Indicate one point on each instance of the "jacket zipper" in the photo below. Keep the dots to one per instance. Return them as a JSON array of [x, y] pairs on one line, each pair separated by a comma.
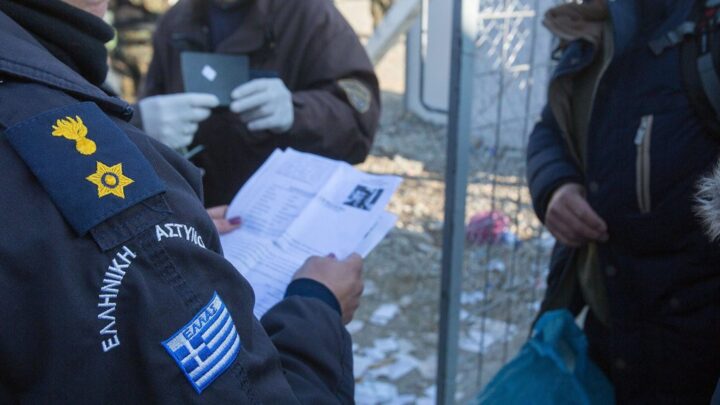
[[642, 163]]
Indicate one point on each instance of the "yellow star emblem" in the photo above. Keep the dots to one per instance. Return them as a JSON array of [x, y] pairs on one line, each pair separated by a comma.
[[110, 180]]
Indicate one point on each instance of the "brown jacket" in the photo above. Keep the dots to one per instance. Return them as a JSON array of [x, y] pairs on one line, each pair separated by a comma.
[[571, 99], [310, 46]]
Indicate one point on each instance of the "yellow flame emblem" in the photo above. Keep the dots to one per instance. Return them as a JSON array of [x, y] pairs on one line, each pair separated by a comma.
[[75, 130], [109, 180]]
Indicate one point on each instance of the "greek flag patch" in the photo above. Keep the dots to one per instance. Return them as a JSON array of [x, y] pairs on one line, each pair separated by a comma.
[[206, 346]]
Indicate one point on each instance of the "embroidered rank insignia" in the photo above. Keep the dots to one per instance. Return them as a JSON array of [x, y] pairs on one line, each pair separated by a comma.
[[75, 130], [357, 94], [206, 346], [85, 162], [109, 180]]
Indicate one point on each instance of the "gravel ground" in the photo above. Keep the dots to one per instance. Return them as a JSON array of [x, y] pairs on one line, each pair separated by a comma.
[[395, 330]]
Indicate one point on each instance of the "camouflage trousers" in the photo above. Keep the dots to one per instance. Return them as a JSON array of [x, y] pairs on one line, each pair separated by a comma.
[[378, 8], [131, 64]]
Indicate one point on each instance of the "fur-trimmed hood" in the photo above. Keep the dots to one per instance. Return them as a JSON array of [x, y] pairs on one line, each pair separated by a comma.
[[708, 203]]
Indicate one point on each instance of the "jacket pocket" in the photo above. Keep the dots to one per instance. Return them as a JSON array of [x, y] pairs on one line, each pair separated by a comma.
[[642, 163]]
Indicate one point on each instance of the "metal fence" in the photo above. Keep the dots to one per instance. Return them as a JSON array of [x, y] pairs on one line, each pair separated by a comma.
[[503, 278], [403, 343]]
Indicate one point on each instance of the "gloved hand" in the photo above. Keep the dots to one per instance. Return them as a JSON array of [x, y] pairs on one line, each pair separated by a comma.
[[264, 104], [173, 119]]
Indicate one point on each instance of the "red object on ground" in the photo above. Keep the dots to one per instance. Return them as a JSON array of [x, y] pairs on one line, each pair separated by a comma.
[[486, 227]]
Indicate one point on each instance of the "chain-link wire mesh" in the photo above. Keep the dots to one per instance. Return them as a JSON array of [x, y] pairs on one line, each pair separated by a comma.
[[396, 329], [504, 277]]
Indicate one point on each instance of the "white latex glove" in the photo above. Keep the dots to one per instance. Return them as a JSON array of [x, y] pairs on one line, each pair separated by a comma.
[[173, 119], [264, 104]]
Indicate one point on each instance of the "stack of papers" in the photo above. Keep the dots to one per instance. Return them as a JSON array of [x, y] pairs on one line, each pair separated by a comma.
[[298, 205]]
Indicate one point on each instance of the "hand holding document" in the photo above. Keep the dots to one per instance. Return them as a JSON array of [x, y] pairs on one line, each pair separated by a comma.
[[299, 205]]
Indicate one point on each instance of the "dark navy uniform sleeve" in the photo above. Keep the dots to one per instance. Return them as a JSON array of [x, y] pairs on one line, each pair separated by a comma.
[[115, 286], [306, 287], [311, 367], [549, 163]]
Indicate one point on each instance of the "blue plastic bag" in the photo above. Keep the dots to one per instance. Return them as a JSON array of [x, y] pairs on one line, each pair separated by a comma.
[[552, 368]]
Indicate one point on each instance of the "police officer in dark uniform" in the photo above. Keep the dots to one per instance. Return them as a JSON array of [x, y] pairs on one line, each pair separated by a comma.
[[113, 288]]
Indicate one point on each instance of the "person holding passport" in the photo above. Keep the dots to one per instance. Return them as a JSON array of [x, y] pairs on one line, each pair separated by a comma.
[[312, 87]]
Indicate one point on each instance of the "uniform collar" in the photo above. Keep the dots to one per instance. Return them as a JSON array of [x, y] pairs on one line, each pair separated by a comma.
[[71, 34], [23, 57]]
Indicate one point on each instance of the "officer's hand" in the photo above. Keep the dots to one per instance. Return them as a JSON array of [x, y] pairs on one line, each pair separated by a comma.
[[342, 277], [264, 104], [571, 219], [222, 224], [173, 119]]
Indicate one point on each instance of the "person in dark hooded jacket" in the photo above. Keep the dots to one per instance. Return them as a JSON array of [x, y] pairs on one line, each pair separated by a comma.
[[612, 168]]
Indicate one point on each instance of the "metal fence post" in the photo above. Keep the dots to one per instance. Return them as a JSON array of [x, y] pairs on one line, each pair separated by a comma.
[[459, 124]]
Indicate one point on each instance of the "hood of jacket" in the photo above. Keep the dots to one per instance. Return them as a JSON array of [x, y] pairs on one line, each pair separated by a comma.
[[708, 203]]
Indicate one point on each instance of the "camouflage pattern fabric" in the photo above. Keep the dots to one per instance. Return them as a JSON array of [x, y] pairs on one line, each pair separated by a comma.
[[130, 58], [378, 8]]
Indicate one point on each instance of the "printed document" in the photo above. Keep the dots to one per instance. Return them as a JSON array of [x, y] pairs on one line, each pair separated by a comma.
[[298, 205]]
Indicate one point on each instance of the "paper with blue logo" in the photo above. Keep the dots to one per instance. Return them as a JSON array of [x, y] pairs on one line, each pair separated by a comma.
[[85, 162], [207, 345]]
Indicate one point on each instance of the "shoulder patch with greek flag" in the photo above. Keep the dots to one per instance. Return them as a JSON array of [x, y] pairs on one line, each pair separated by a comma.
[[206, 346]]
